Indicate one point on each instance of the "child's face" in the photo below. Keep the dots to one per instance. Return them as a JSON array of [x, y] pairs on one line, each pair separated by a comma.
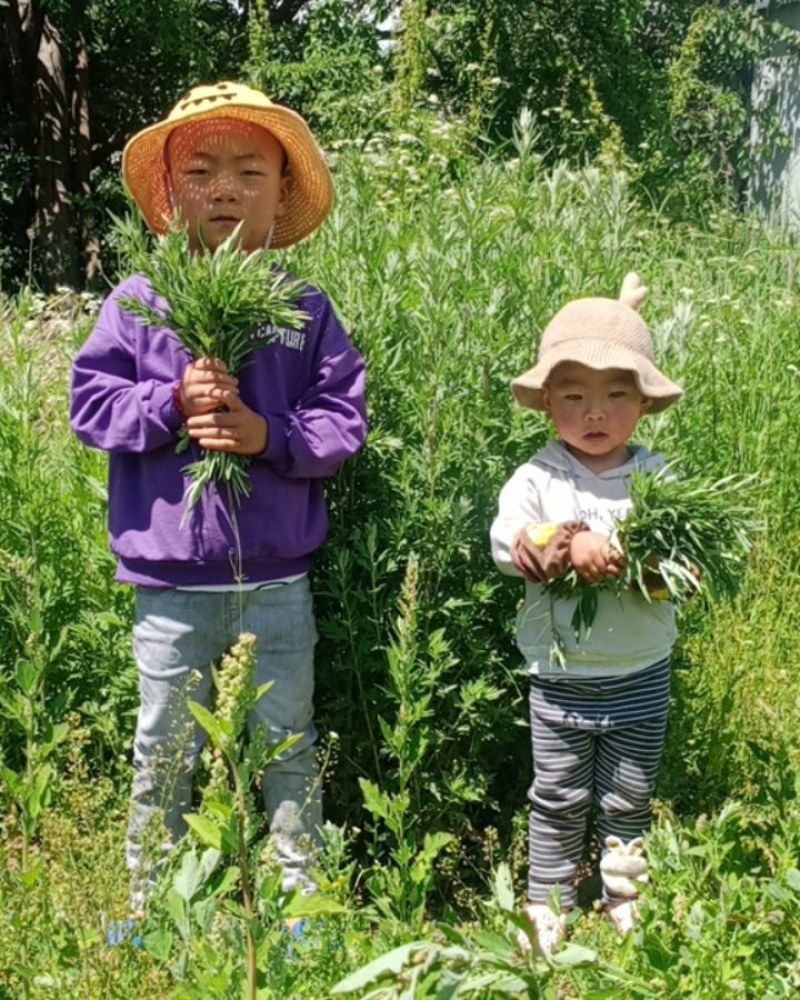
[[594, 412], [225, 171]]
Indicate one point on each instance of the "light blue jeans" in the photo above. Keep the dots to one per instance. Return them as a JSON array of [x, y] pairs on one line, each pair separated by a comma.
[[179, 632]]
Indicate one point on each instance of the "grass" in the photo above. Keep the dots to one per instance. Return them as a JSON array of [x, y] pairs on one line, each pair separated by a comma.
[[446, 283]]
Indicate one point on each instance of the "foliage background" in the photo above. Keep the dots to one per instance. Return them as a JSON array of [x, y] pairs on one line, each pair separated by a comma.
[[468, 211], [662, 89]]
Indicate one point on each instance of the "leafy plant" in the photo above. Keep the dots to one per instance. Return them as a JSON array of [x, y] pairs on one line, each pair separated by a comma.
[[219, 304], [224, 895], [401, 888], [681, 537], [484, 964], [30, 786]]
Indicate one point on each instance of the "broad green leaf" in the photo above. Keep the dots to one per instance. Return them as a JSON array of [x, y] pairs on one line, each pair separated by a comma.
[[189, 876], [38, 793], [312, 905], [375, 801], [229, 879], [210, 723], [793, 879], [177, 909], [60, 733], [433, 844], [496, 944], [29, 878], [573, 955], [206, 830], [14, 782], [393, 963], [261, 690], [503, 887], [158, 943], [28, 675]]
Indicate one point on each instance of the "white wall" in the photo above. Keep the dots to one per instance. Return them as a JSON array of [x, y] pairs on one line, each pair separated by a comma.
[[775, 184]]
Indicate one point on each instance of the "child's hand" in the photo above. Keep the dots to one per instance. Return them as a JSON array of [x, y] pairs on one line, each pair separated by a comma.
[[232, 426], [593, 558], [204, 384]]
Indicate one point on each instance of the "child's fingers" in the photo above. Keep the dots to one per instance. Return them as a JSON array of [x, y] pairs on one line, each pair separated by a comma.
[[215, 365], [214, 432], [210, 382]]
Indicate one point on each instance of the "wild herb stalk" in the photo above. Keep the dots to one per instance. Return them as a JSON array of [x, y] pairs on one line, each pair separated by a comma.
[[219, 304], [681, 537]]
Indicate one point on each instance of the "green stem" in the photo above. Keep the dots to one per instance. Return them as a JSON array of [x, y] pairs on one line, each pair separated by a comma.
[[247, 887]]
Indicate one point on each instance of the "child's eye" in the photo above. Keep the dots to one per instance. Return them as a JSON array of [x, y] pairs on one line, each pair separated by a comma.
[[618, 393], [573, 397], [252, 173], [197, 172]]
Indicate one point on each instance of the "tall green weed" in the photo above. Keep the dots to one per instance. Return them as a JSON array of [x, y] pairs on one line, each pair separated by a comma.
[[56, 586]]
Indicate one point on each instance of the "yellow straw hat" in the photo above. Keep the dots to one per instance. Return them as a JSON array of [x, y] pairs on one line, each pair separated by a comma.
[[144, 168]]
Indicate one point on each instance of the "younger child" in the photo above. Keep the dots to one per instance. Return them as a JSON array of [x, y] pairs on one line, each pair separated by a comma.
[[225, 155], [598, 719]]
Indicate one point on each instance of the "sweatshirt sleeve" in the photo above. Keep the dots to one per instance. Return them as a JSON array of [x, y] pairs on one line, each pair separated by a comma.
[[519, 506], [111, 406], [548, 545], [328, 423]]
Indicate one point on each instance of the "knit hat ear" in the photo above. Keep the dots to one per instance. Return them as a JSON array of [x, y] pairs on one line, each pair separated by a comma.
[[600, 334], [633, 292]]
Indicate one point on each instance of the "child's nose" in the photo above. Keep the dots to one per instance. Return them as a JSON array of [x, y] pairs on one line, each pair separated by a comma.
[[223, 187]]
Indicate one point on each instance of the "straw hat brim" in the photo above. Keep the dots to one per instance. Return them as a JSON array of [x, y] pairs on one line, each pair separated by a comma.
[[309, 199], [598, 355]]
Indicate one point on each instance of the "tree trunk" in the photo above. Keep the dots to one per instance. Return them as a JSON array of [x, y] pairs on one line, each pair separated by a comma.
[[54, 223], [83, 160]]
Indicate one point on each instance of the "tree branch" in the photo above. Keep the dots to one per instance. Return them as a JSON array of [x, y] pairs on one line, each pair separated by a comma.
[[285, 11]]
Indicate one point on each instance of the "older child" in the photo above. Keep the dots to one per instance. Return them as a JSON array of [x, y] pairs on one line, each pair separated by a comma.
[[225, 156], [597, 719]]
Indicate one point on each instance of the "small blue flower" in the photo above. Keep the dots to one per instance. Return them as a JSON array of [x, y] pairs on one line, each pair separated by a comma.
[[123, 932]]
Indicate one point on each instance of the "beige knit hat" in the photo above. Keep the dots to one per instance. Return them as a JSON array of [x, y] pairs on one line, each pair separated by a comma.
[[600, 333], [144, 168]]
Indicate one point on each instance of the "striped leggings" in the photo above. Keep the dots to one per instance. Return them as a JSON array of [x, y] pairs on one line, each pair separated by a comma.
[[596, 741]]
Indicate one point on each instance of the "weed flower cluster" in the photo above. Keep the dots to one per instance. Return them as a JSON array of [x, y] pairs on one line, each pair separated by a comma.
[[234, 698], [681, 537], [219, 304], [235, 694]]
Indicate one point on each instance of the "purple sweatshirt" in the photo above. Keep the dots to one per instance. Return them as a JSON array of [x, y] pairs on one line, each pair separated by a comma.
[[308, 384]]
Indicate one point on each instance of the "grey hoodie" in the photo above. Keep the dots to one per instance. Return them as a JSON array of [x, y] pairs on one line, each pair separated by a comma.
[[629, 633]]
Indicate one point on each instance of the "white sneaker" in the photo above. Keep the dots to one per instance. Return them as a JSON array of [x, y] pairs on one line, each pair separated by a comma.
[[623, 914], [548, 929]]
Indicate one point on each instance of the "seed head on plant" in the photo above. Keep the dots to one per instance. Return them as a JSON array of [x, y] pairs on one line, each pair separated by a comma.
[[234, 680]]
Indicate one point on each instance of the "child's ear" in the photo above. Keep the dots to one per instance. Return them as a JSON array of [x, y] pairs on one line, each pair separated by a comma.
[[284, 191], [646, 404], [546, 397]]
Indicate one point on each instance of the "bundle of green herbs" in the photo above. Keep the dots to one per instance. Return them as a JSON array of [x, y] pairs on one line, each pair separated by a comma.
[[219, 304], [682, 536]]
